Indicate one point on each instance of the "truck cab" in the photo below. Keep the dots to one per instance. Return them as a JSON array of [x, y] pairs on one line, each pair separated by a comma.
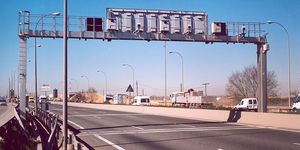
[[247, 104], [296, 104]]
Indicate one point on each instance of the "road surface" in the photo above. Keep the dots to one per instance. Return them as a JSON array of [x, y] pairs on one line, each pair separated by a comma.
[[108, 130]]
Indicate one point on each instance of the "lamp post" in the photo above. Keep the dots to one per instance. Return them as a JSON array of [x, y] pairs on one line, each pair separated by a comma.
[[289, 58], [182, 82], [65, 52], [88, 81], [105, 81], [35, 57], [132, 74]]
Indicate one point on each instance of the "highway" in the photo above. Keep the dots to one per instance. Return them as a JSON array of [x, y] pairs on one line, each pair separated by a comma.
[[108, 130]]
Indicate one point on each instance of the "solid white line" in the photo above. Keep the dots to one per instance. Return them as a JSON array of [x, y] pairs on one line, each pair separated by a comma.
[[109, 142], [187, 125], [297, 144], [79, 126], [92, 115], [149, 131]]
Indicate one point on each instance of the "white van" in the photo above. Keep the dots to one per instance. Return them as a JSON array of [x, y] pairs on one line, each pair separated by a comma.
[[141, 100], [43, 99], [247, 104], [296, 105]]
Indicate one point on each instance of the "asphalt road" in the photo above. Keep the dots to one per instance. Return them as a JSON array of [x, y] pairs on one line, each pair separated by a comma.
[[108, 130], [3, 109]]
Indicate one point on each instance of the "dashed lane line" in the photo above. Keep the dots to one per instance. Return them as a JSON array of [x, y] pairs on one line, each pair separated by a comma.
[[137, 127], [297, 144]]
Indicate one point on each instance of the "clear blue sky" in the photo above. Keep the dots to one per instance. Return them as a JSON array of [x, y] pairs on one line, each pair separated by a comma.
[[211, 63]]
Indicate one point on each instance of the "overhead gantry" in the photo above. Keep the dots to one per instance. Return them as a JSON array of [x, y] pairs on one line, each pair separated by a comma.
[[147, 25]]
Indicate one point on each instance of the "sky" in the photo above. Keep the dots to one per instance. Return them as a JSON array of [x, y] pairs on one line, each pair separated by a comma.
[[212, 63]]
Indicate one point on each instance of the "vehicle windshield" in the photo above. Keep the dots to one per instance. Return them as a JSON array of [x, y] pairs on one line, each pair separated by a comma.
[[2, 100], [297, 99], [242, 102]]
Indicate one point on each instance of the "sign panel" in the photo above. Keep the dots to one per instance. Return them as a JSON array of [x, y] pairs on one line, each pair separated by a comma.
[[45, 88], [94, 24], [129, 89], [157, 21]]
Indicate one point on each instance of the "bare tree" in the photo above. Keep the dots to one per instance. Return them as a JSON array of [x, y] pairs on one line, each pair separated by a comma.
[[244, 83]]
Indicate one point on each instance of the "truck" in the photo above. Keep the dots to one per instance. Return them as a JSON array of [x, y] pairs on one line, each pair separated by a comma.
[[296, 104], [190, 99]]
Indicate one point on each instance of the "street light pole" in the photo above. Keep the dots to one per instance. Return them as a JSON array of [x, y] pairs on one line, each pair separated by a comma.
[[65, 101], [35, 74], [35, 57], [182, 82], [105, 81], [132, 74], [289, 58]]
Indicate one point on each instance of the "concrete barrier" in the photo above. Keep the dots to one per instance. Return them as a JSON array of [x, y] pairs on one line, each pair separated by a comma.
[[275, 120]]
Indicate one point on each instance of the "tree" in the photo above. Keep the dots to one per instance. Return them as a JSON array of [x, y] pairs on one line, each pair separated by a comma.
[[244, 83]]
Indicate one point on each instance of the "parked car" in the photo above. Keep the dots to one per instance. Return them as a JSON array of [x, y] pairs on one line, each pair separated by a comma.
[[3, 101], [247, 104], [141, 100], [296, 104]]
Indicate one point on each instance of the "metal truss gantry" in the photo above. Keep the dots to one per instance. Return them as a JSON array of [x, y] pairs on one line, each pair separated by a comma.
[[52, 27]]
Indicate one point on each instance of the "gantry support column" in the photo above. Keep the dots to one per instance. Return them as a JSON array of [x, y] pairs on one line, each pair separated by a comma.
[[22, 75], [262, 93]]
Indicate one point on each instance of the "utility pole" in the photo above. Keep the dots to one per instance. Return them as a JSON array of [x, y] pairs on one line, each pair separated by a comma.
[[165, 101], [205, 86], [137, 88], [9, 89]]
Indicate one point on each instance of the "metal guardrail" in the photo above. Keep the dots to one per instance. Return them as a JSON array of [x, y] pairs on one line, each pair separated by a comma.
[[52, 124], [50, 121]]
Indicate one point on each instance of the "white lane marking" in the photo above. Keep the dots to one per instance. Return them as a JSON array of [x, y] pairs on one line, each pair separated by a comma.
[[188, 125], [92, 115], [297, 144], [137, 127], [79, 126], [220, 149], [265, 127], [109, 142], [145, 131]]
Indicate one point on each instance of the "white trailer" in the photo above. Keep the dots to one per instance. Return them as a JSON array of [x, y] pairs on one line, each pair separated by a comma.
[[186, 99]]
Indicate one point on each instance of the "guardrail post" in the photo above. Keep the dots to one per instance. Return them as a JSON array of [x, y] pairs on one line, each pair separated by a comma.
[[79, 147]]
